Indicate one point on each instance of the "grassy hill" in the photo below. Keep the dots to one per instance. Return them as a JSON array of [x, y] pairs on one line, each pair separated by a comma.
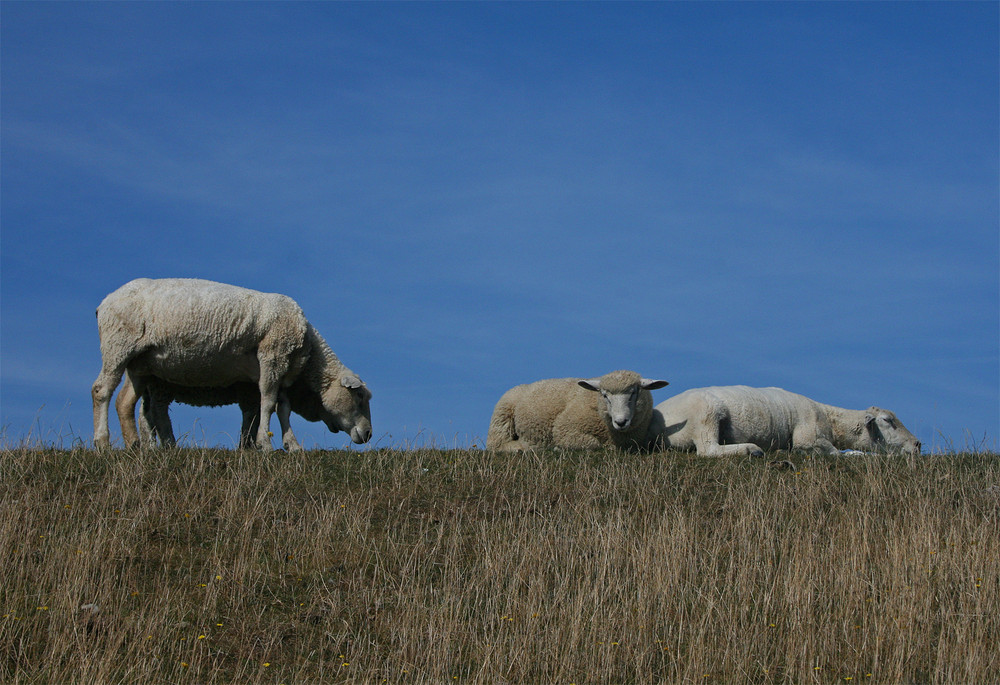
[[203, 565]]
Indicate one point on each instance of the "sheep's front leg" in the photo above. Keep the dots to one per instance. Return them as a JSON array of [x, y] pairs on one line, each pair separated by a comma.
[[287, 436], [573, 432], [268, 401], [808, 439], [580, 441], [818, 446]]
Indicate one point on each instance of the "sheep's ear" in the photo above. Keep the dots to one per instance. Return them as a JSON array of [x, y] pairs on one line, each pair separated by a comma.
[[592, 384], [652, 385], [351, 381]]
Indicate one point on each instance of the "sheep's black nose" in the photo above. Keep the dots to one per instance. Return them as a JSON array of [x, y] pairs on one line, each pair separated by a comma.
[[361, 434]]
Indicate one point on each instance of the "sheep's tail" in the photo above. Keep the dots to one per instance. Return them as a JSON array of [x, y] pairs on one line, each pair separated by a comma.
[[502, 429]]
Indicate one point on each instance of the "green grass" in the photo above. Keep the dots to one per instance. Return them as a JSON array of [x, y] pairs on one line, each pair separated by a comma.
[[204, 565]]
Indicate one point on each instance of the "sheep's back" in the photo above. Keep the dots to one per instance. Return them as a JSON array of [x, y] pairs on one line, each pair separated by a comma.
[[194, 332]]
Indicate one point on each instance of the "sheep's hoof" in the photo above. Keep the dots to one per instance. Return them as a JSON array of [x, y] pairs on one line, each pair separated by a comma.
[[757, 453]]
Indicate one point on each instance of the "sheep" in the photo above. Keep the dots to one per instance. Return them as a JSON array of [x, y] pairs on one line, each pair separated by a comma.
[[200, 334], [738, 420], [614, 410], [158, 394]]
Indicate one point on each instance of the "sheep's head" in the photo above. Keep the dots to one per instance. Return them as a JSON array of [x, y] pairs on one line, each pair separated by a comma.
[[885, 431], [623, 397], [346, 407], [341, 402]]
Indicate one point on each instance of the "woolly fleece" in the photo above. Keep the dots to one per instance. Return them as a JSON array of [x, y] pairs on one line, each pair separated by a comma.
[[740, 420], [196, 333], [560, 412]]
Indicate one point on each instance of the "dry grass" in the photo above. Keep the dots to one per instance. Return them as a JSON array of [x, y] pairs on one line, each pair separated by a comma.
[[198, 565]]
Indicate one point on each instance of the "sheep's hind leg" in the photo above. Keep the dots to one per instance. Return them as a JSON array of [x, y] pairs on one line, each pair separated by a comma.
[[125, 403], [746, 449], [156, 411], [147, 421], [514, 446], [708, 441], [101, 392], [251, 423]]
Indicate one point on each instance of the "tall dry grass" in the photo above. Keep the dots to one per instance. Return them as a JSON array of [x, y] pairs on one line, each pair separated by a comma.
[[198, 565]]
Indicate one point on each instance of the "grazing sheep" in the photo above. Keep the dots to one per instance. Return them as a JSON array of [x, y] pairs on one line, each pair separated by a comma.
[[570, 412], [200, 334], [739, 420], [158, 395]]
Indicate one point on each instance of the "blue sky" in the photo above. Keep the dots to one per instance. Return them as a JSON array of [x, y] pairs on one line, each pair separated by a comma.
[[468, 196]]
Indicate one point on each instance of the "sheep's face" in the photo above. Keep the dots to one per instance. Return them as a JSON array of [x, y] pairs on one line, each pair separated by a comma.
[[887, 432], [623, 396], [346, 408]]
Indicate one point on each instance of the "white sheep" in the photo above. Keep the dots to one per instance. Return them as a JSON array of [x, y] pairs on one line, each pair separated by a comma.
[[201, 334], [738, 420], [159, 394], [614, 409]]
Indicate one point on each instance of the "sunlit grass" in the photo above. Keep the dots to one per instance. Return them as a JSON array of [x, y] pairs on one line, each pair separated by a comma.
[[202, 565]]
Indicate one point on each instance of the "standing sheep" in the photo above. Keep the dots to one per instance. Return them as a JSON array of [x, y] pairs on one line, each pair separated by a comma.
[[200, 334], [737, 420], [159, 394], [614, 409]]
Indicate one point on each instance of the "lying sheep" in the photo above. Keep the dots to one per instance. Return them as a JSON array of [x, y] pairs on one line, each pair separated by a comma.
[[614, 409], [737, 420], [200, 334]]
